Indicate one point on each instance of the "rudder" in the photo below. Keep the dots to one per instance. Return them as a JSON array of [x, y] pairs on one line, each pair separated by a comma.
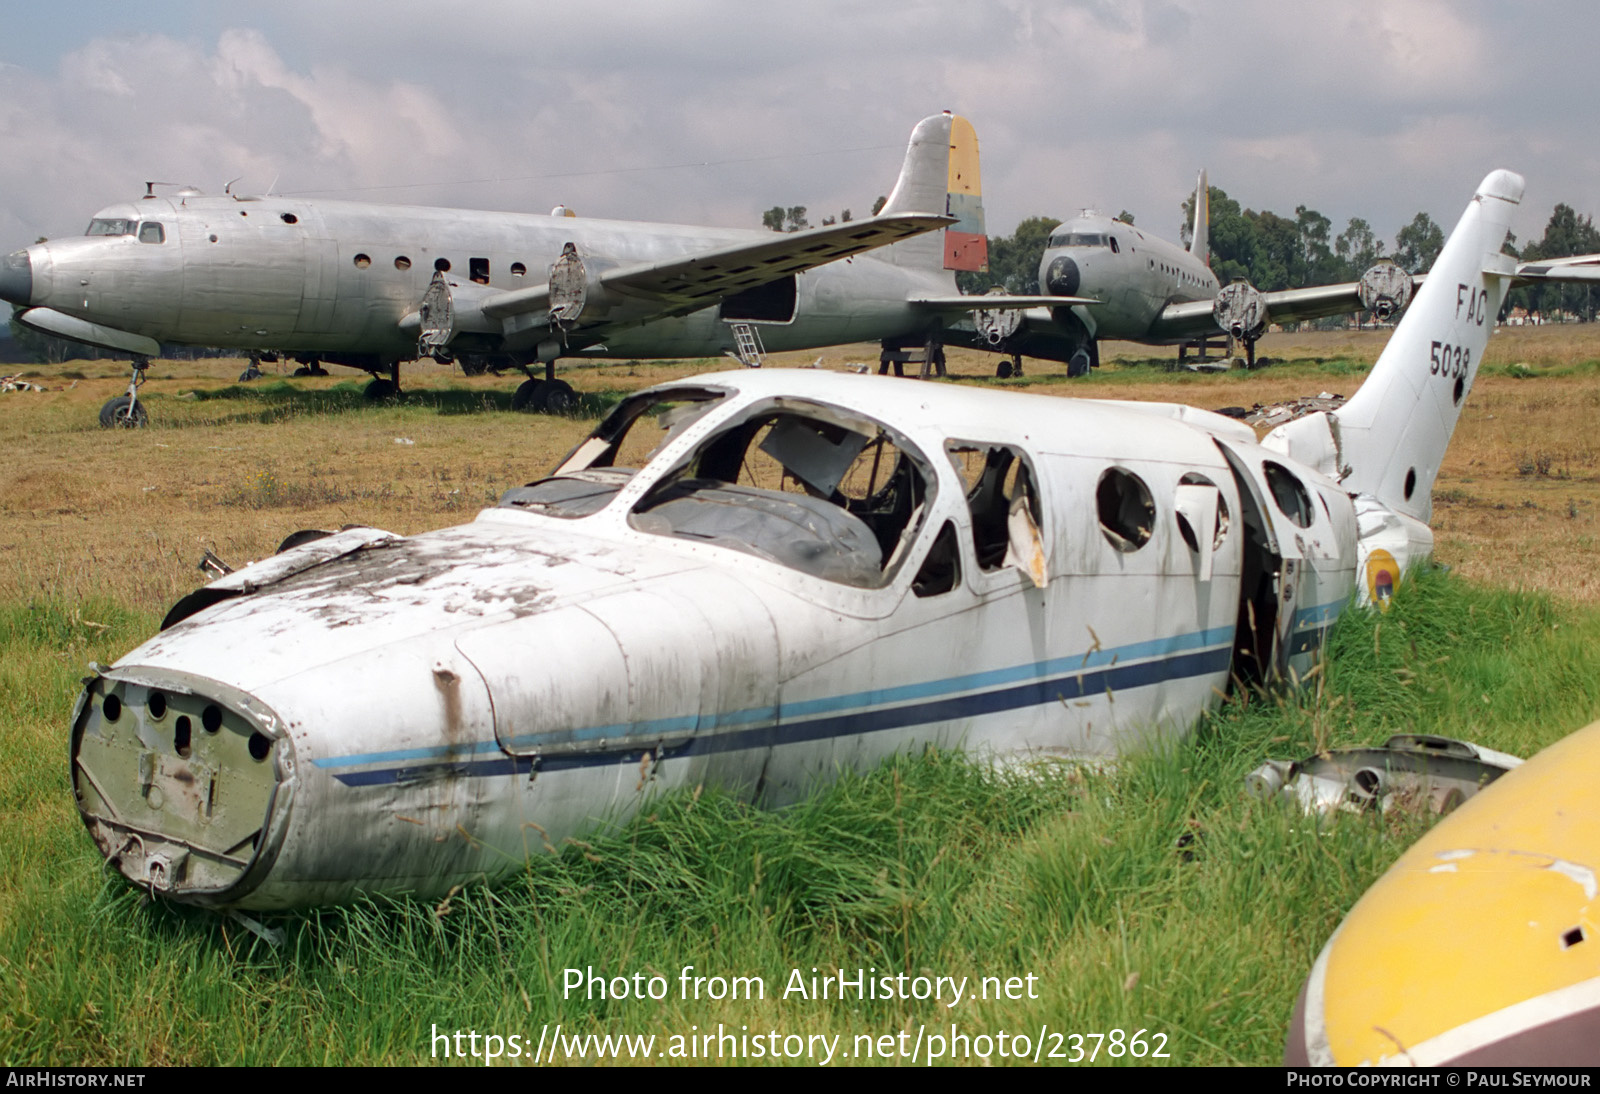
[[941, 175]]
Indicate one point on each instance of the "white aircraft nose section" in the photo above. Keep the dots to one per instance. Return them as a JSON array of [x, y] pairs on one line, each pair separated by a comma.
[[1503, 184]]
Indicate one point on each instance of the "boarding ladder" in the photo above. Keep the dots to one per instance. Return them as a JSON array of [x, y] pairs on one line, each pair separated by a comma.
[[747, 345]]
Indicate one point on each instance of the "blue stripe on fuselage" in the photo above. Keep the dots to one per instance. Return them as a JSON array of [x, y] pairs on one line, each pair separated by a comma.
[[1073, 684]]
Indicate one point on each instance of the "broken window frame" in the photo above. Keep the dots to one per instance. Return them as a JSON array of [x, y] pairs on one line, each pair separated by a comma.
[[1002, 553], [757, 420], [592, 461], [1115, 531]]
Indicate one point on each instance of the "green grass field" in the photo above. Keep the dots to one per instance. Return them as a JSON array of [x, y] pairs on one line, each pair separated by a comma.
[[1151, 896]]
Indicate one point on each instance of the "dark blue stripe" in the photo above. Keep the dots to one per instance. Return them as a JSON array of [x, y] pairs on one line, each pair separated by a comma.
[[1030, 694]]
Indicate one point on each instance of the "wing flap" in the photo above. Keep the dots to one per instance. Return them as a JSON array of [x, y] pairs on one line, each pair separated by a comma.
[[997, 302]]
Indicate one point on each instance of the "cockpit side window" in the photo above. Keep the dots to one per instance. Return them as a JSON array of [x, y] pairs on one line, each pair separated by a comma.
[[151, 231], [111, 226], [1003, 500], [818, 489], [593, 472]]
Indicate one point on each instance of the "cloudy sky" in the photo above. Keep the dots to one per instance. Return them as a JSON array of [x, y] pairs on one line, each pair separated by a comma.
[[709, 111]]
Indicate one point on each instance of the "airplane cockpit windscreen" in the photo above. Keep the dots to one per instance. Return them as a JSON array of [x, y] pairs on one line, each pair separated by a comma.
[[592, 473], [112, 226], [818, 489], [1080, 239]]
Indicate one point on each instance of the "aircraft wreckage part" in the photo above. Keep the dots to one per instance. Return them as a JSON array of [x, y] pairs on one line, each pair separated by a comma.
[[1240, 310], [1409, 771], [181, 789], [1062, 278], [1476, 948], [1385, 290]]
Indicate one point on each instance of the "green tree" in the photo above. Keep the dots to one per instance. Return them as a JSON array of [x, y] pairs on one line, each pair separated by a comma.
[[877, 206], [1357, 248], [1418, 244], [1567, 233], [1013, 260]]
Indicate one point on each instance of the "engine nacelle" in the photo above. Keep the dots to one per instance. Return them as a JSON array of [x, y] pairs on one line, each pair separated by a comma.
[[1385, 289], [449, 309], [998, 324], [1240, 310], [575, 290]]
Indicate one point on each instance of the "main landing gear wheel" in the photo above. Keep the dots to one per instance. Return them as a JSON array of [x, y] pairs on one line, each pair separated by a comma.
[[558, 397], [544, 397], [381, 389], [123, 412], [1009, 367], [528, 396], [1079, 364]]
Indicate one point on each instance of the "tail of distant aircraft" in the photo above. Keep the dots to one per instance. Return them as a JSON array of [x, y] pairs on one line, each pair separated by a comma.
[[1390, 438], [940, 175], [1200, 238]]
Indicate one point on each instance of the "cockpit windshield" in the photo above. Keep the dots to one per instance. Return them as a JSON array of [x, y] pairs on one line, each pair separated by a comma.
[[112, 226], [1079, 239], [590, 476]]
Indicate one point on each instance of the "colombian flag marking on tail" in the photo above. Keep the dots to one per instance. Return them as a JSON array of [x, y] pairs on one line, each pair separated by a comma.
[[966, 247]]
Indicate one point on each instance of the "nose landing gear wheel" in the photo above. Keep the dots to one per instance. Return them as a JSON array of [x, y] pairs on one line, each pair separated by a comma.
[[122, 412]]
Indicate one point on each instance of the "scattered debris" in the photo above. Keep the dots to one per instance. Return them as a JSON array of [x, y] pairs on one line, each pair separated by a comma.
[[404, 440], [17, 383], [1410, 771], [1271, 415]]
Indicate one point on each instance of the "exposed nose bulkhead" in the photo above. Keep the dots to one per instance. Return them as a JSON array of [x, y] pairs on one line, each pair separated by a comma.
[[1061, 276], [16, 278]]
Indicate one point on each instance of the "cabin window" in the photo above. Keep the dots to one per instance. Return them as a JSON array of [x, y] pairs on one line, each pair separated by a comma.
[[401, 262], [1003, 500], [442, 265], [288, 218], [1198, 486], [478, 270], [111, 226], [819, 489], [1126, 510], [518, 270], [1114, 248], [362, 261], [152, 232], [1289, 493]]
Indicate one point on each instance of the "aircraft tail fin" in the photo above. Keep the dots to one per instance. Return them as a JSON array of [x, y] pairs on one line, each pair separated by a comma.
[[1200, 237], [940, 175], [1390, 438]]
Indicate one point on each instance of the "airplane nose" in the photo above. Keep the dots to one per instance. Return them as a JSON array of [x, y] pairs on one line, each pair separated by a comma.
[[16, 278], [1062, 277]]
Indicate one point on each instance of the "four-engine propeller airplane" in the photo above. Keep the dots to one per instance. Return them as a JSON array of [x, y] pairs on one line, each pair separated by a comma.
[[370, 286], [1144, 289], [754, 579], [1140, 288]]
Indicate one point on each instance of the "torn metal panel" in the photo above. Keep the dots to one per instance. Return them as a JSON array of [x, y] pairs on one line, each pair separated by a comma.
[[1410, 771]]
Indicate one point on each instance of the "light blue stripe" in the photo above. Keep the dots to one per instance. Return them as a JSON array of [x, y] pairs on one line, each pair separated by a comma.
[[877, 697]]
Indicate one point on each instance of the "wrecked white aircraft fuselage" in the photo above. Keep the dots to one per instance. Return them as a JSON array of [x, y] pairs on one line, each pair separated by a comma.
[[811, 572], [789, 574]]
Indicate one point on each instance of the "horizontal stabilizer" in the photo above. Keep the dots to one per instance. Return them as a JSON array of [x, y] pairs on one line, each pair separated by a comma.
[[1578, 268]]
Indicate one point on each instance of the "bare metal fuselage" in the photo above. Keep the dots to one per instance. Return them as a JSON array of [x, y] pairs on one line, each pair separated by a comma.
[[334, 279]]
